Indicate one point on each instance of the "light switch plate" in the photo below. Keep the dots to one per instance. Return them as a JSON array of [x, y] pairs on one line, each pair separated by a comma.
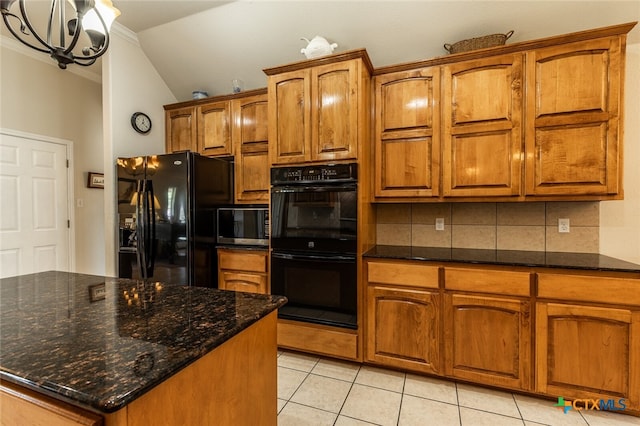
[[440, 224], [563, 225]]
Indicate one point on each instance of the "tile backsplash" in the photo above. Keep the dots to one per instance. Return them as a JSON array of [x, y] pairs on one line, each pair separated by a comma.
[[503, 226]]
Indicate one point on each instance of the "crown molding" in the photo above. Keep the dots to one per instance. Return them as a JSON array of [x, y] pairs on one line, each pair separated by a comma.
[[13, 44], [124, 33]]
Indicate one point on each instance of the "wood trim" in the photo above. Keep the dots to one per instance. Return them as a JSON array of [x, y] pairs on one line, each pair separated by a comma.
[[198, 102], [405, 274], [511, 48], [597, 289], [325, 60], [488, 281], [29, 407], [318, 339]]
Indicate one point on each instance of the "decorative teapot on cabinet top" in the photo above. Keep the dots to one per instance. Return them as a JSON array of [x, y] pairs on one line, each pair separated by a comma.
[[318, 46]]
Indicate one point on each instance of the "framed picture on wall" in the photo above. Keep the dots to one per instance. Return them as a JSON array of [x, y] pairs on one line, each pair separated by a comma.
[[95, 180]]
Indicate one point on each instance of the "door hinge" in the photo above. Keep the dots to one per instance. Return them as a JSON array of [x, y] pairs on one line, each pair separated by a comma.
[[67, 163], [68, 223]]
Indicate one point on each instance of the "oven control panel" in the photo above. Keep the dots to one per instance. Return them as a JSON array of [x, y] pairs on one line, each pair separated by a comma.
[[306, 174]]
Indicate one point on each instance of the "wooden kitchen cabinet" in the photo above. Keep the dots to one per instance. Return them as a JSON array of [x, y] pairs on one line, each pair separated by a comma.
[[588, 337], [250, 133], [573, 118], [214, 129], [407, 133], [487, 326], [318, 108], [482, 123], [230, 125], [403, 316], [200, 127], [181, 129], [243, 270]]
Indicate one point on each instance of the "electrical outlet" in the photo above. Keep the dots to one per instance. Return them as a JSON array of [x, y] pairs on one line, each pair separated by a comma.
[[563, 225], [439, 223]]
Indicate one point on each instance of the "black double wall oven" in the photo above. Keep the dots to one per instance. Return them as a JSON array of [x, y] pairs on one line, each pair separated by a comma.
[[314, 243]]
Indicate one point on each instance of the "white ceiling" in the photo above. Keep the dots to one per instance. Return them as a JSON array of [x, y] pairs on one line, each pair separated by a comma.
[[204, 44]]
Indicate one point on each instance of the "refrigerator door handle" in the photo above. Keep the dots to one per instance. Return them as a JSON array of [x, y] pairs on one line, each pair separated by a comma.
[[141, 230], [151, 210]]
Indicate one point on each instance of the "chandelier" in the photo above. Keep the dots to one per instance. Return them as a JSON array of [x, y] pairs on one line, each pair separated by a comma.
[[90, 26]]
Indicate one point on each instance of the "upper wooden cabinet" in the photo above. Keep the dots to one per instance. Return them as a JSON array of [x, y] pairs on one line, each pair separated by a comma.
[[573, 118], [318, 108], [180, 129], [223, 126], [531, 121], [203, 128], [214, 129], [482, 125], [407, 133], [251, 140]]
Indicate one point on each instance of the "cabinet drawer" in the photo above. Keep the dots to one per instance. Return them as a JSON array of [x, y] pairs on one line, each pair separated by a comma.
[[242, 261], [589, 288], [487, 281], [408, 274]]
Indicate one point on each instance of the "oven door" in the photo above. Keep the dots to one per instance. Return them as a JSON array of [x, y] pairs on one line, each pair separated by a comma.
[[319, 218], [320, 289]]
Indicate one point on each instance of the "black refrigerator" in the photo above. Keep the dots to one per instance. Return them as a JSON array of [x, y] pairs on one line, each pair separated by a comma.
[[167, 216]]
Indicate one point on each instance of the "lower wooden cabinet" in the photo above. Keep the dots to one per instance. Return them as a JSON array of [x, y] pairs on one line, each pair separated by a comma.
[[588, 352], [403, 316], [549, 332], [243, 270], [488, 340]]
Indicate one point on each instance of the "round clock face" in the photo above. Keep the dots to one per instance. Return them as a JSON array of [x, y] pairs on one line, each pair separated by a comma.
[[141, 122]]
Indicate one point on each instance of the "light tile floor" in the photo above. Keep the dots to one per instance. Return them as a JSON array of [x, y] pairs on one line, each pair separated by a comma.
[[317, 391]]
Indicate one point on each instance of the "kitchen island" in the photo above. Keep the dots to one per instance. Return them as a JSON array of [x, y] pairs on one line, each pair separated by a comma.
[[83, 349]]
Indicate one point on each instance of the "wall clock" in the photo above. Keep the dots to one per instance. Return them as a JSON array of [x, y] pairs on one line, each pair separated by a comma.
[[141, 122]]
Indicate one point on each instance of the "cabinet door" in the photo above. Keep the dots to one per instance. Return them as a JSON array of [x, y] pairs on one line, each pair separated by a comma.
[[573, 114], [180, 130], [407, 133], [334, 111], [403, 328], [251, 141], [482, 124], [243, 281], [214, 129], [488, 340], [588, 352], [289, 117]]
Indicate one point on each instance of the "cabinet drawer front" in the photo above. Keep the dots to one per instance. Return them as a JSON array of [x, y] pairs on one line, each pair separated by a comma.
[[487, 281], [590, 288], [412, 275], [244, 282], [254, 262]]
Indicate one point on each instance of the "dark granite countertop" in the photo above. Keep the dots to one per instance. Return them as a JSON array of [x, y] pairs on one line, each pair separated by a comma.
[[584, 261], [102, 342]]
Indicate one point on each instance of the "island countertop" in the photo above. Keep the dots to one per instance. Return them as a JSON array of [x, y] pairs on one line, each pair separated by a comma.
[[102, 342]]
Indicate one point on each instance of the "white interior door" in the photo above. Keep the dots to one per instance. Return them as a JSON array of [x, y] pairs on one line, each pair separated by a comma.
[[34, 227]]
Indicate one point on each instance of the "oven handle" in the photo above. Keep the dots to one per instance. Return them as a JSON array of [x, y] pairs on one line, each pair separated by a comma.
[[329, 258], [314, 188]]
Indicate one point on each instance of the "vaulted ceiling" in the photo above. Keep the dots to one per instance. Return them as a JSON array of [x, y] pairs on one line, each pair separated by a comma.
[[204, 44]]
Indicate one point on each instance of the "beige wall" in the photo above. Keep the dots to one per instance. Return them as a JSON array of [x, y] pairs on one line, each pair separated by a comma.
[[620, 220], [39, 98]]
